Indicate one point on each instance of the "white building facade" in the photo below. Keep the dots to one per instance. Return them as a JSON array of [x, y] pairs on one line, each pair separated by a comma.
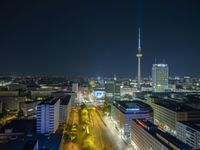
[[48, 116], [189, 132]]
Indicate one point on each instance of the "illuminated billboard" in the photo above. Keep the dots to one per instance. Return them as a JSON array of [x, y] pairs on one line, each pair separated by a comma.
[[99, 94]]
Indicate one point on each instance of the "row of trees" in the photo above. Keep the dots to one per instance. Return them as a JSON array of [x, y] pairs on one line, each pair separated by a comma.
[[88, 140], [84, 114], [70, 133]]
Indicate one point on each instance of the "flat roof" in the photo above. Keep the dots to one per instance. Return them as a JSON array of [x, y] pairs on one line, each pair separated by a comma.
[[131, 106], [99, 89], [192, 124], [174, 106], [173, 139], [21, 125], [160, 65], [50, 101], [31, 101], [64, 100], [63, 92], [17, 144], [52, 141], [154, 131]]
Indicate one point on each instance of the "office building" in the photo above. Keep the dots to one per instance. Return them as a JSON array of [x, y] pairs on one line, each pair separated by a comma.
[[160, 77], [65, 106], [11, 103], [62, 93], [124, 111], [167, 113], [41, 93], [17, 128], [146, 136], [75, 87], [127, 90], [109, 89], [112, 90], [29, 108], [189, 132], [48, 115], [117, 94]]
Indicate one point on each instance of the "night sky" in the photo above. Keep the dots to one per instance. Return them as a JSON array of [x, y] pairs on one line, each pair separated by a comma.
[[98, 37]]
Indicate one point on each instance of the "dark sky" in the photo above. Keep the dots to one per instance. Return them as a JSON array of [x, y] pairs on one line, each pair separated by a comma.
[[98, 37]]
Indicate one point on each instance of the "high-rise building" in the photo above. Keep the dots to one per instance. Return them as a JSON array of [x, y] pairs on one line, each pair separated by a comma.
[[117, 92], [112, 90], [160, 77], [48, 116], [109, 89], [139, 55]]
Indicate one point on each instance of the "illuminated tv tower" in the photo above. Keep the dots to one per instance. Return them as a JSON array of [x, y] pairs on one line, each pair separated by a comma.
[[139, 55]]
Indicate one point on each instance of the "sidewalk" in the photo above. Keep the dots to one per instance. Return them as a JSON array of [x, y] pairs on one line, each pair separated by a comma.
[[119, 143]]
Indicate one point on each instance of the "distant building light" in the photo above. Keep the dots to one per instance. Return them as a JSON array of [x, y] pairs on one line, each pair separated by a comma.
[[133, 109], [30, 109], [160, 65]]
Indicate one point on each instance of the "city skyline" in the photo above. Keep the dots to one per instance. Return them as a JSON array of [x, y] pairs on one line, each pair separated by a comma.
[[98, 38]]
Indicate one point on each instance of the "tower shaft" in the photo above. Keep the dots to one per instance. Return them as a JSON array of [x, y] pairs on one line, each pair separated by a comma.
[[139, 55], [139, 74]]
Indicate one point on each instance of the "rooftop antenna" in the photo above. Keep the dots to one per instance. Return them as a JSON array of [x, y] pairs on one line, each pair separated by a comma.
[[139, 42]]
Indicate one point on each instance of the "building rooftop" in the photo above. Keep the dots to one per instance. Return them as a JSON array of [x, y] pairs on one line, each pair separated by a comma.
[[52, 141], [45, 142], [174, 106], [99, 89], [67, 92], [50, 101], [20, 126], [29, 102], [163, 137], [160, 65], [192, 124], [172, 139], [17, 144], [132, 106], [64, 100]]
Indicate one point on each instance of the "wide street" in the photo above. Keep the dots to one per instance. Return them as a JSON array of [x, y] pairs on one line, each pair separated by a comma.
[[105, 136], [99, 128]]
